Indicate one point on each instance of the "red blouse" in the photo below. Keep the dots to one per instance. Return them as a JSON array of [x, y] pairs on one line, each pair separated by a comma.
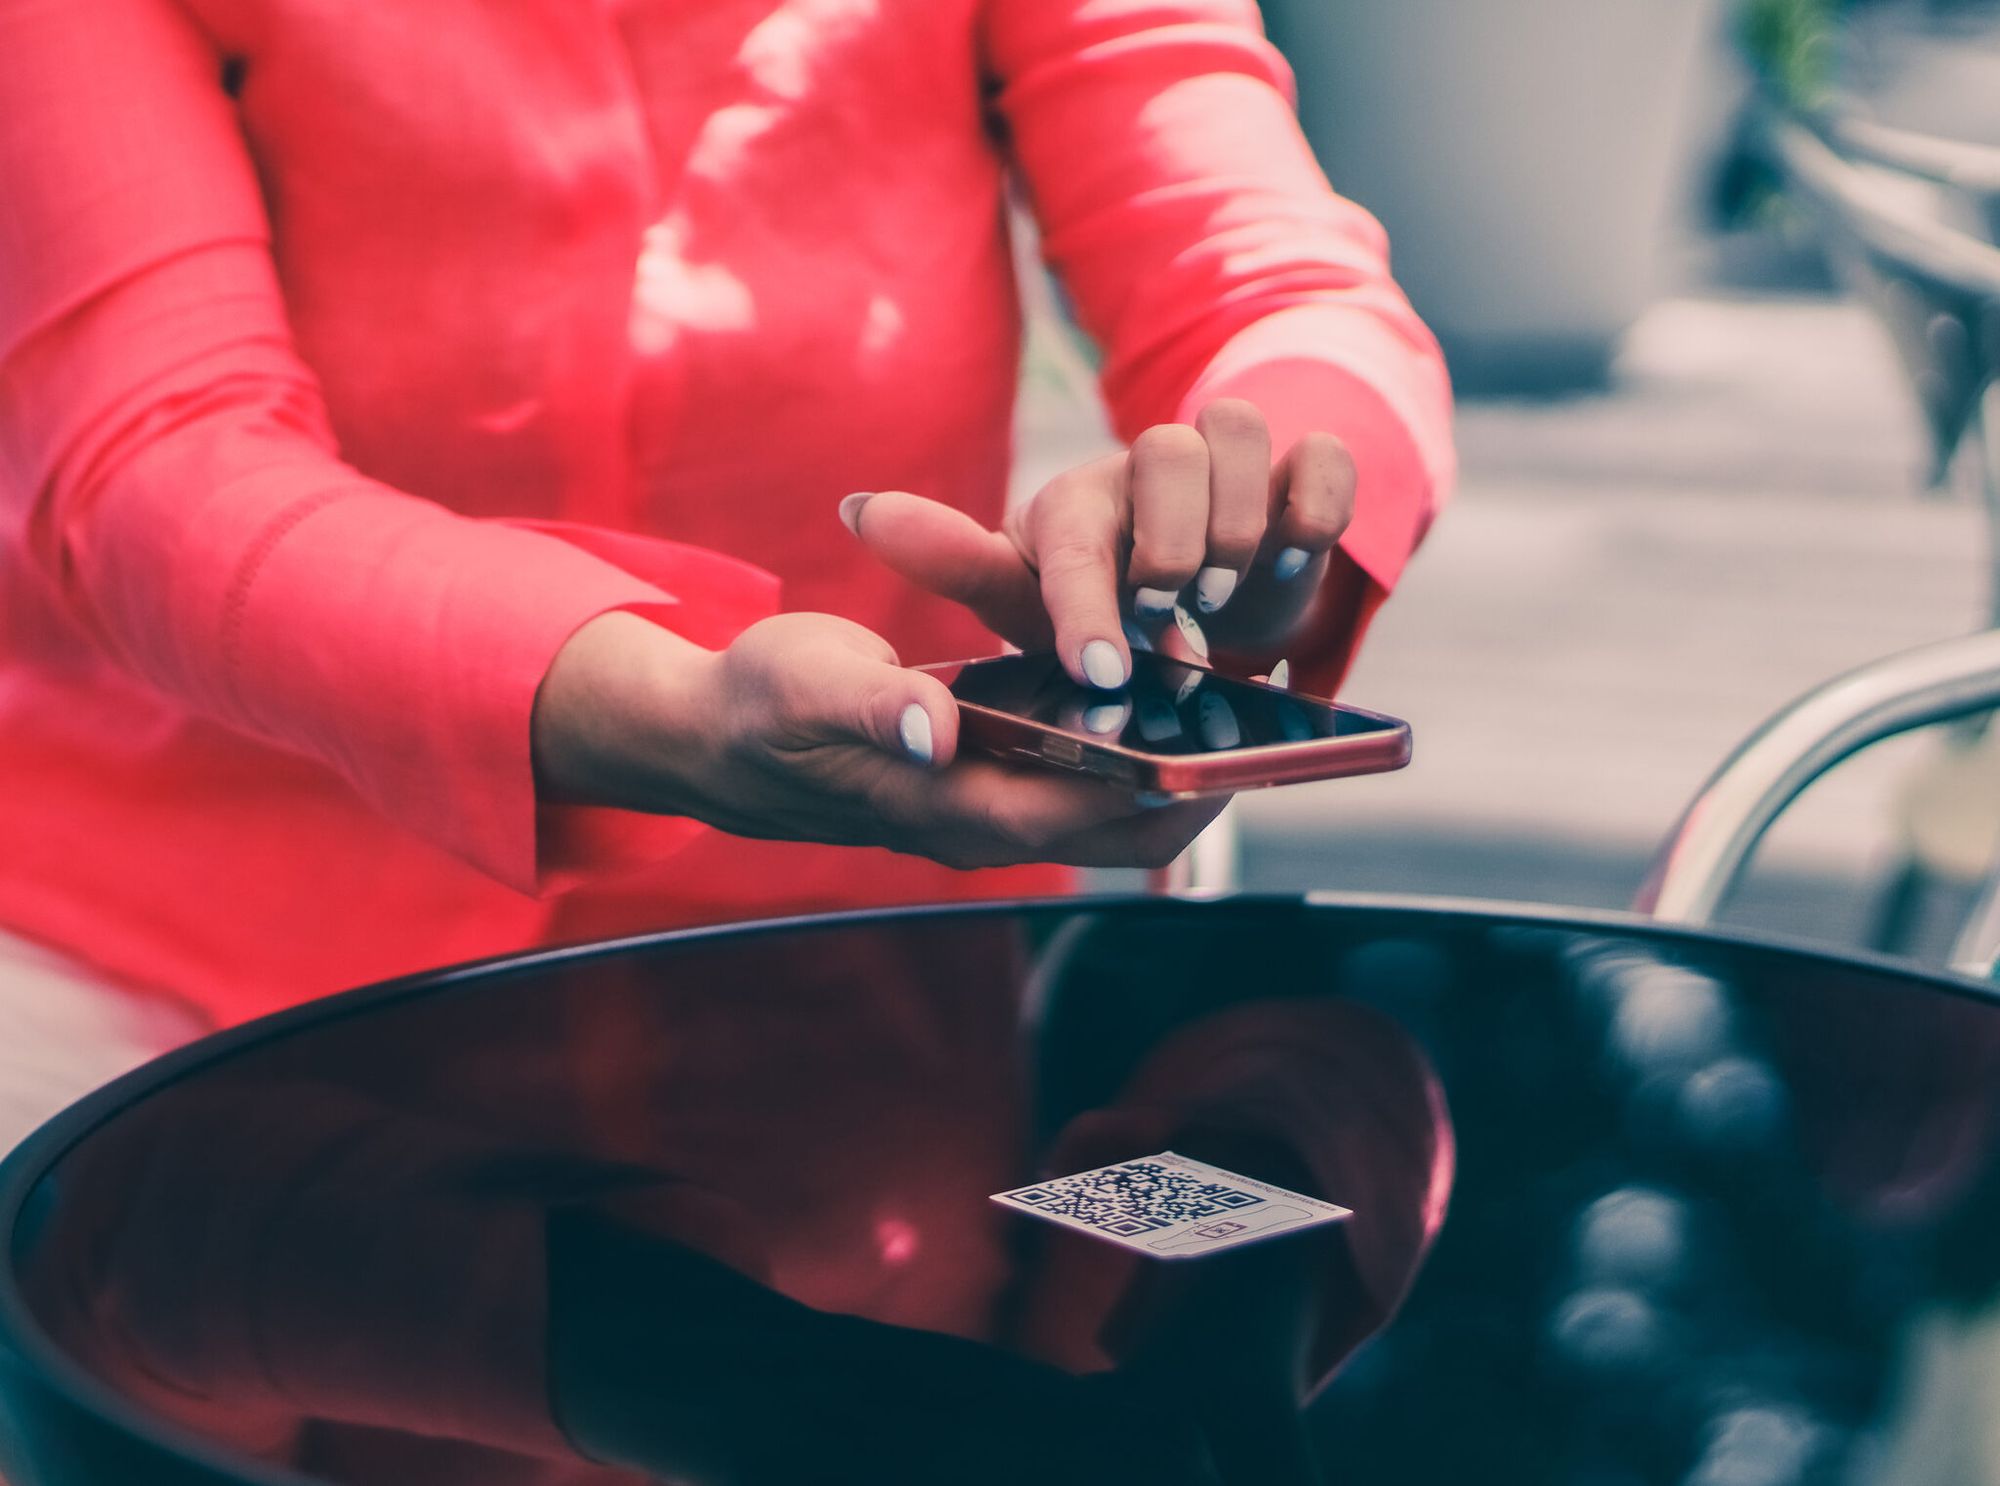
[[351, 356]]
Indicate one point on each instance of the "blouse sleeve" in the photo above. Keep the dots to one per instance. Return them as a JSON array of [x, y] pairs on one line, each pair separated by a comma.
[[168, 473], [1184, 212]]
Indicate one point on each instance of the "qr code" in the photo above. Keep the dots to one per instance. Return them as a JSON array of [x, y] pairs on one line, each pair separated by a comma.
[[1137, 1197]]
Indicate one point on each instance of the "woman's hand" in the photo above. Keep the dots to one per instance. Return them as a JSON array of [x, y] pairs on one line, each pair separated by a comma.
[[806, 729], [1197, 515]]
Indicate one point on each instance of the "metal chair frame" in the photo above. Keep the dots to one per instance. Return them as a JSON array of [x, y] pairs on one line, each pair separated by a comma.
[[1879, 242], [1971, 171], [1719, 831]]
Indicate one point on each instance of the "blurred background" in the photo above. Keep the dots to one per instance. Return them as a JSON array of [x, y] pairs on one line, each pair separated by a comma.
[[1698, 478]]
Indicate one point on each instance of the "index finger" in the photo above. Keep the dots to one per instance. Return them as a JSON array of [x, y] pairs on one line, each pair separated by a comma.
[[1075, 531]]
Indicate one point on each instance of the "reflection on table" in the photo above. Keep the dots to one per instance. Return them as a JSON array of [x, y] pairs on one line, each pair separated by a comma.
[[714, 1210]]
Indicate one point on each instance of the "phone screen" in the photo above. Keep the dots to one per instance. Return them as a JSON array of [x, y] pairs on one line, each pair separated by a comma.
[[1166, 708]]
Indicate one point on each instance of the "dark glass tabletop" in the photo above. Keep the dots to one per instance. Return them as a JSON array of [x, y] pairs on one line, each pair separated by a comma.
[[1629, 1205]]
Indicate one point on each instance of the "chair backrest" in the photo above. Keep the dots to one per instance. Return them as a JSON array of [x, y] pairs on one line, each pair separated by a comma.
[[1936, 287], [1971, 172]]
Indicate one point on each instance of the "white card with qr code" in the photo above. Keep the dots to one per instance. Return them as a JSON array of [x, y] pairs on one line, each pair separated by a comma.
[[1171, 1207]]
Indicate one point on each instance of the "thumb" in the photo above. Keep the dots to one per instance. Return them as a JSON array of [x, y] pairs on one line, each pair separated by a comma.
[[944, 551], [853, 691]]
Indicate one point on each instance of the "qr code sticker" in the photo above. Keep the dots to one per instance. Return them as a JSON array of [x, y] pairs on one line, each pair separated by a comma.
[[1135, 1198], [1170, 1205]]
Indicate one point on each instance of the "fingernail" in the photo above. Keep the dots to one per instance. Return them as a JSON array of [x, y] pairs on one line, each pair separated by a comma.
[[850, 509], [1151, 799], [1136, 637], [1103, 665], [1153, 603], [915, 730], [1191, 632], [1106, 717], [1281, 675], [1289, 563], [1212, 587]]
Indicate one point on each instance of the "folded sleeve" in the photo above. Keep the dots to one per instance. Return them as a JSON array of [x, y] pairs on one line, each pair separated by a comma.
[[1206, 253], [168, 472]]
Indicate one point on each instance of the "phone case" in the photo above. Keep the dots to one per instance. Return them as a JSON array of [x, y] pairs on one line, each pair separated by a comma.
[[1007, 736]]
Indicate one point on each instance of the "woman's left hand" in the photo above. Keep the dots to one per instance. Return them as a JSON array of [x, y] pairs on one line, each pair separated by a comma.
[[1192, 515]]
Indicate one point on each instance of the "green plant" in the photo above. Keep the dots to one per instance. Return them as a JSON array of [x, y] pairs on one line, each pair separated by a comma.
[[1792, 45]]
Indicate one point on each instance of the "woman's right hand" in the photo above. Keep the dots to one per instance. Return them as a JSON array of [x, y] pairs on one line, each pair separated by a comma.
[[807, 729]]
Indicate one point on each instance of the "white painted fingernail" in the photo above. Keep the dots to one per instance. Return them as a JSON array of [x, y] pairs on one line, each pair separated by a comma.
[[1212, 587], [1289, 563], [1106, 717], [1136, 637], [1191, 632], [850, 509], [1153, 603], [1103, 665], [1281, 675], [914, 728]]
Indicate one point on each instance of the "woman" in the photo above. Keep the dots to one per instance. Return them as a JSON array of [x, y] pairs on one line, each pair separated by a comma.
[[413, 418]]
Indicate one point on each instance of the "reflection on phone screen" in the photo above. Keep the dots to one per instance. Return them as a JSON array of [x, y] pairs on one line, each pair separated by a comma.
[[1219, 729], [1166, 708]]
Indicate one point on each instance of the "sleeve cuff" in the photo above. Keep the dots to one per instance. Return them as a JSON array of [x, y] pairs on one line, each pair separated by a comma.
[[407, 645], [1322, 368]]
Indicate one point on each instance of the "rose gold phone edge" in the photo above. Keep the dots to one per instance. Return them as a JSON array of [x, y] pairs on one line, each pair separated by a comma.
[[1005, 735]]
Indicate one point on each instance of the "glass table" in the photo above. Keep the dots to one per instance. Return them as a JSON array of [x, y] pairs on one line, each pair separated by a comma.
[[1630, 1204]]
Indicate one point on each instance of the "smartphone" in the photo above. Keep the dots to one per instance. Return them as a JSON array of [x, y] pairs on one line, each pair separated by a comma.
[[1175, 729]]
